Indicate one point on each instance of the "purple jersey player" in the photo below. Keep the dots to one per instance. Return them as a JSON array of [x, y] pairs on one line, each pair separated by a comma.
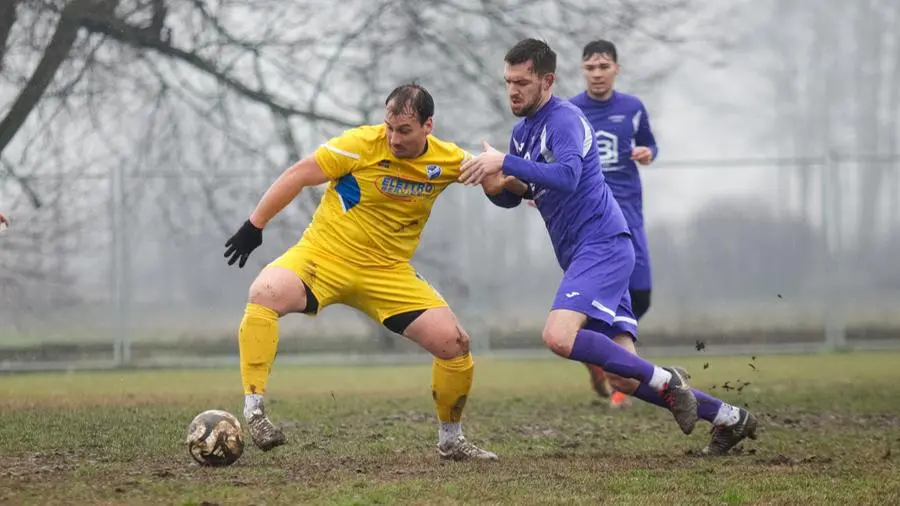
[[624, 139], [553, 158]]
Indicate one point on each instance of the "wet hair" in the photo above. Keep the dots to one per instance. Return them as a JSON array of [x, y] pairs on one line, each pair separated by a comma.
[[413, 98], [543, 59]]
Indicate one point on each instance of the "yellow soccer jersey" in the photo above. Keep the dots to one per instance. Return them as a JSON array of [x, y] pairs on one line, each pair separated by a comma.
[[376, 206]]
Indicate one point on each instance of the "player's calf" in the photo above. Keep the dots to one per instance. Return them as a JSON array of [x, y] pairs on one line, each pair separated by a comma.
[[599, 381], [595, 348], [275, 292], [438, 331]]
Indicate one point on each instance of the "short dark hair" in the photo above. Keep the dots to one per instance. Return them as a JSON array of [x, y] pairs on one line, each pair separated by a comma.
[[537, 51], [600, 46], [413, 98]]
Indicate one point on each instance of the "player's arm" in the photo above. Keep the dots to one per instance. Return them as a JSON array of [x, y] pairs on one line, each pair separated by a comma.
[[569, 140], [332, 160], [306, 172], [336, 158], [286, 188], [518, 187], [505, 191], [643, 135]]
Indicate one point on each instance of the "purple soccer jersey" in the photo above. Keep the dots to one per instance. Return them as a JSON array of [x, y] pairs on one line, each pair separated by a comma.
[[620, 124], [555, 153]]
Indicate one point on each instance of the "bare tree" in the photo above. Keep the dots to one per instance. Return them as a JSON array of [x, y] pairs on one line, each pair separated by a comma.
[[833, 76], [182, 112]]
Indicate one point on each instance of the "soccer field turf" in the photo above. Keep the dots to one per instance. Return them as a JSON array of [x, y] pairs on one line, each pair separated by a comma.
[[366, 435]]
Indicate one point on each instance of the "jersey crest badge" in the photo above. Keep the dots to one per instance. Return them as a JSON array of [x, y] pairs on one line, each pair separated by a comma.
[[433, 171]]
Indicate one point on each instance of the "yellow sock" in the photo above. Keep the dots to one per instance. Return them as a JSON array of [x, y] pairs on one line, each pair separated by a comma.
[[258, 343], [451, 381]]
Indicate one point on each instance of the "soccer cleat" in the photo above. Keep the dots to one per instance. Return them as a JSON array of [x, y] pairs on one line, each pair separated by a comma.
[[724, 438], [599, 382], [678, 396], [263, 432], [682, 371], [619, 400], [462, 449]]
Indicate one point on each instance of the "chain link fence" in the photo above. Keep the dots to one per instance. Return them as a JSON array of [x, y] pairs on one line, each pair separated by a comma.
[[126, 269]]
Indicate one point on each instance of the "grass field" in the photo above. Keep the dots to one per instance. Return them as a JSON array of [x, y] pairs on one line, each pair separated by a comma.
[[366, 435]]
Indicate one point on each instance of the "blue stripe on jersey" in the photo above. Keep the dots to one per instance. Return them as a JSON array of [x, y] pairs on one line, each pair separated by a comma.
[[348, 190]]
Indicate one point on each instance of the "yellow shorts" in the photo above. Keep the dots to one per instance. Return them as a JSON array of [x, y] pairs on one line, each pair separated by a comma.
[[378, 292]]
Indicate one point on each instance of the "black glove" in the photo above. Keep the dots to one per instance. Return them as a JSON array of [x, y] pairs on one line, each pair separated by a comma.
[[241, 244]]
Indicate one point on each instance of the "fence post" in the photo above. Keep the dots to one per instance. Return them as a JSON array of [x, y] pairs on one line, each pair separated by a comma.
[[835, 324], [122, 345], [114, 266]]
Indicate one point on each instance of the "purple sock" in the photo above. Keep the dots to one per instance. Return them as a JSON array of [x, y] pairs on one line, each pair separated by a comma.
[[647, 394], [707, 406], [595, 348]]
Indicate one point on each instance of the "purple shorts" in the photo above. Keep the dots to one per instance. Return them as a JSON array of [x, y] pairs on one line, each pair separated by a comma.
[[596, 285], [641, 278]]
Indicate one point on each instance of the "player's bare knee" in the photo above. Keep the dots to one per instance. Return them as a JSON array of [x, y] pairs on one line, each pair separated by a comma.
[[449, 344], [462, 341], [272, 290], [559, 339], [261, 292]]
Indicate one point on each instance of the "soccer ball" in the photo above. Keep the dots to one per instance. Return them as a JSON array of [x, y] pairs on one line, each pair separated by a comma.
[[215, 438]]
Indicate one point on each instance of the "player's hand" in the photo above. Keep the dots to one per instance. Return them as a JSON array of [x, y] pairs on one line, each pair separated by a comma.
[[3, 220], [242, 243], [532, 203], [642, 155], [474, 170], [495, 183]]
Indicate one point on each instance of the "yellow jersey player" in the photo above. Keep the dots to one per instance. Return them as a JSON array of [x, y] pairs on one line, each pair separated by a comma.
[[384, 180]]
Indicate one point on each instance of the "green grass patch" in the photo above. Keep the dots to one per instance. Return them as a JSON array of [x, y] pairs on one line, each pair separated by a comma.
[[366, 435]]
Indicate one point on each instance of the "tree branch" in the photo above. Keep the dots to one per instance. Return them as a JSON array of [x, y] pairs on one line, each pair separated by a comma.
[[54, 56], [7, 20], [23, 182], [142, 39]]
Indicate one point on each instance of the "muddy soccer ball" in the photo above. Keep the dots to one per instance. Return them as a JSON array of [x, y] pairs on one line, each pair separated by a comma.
[[215, 438]]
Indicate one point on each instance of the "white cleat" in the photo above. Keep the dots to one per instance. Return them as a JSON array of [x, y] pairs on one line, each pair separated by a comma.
[[263, 432], [462, 449]]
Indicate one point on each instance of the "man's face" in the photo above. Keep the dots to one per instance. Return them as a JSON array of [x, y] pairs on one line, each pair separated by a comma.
[[405, 135], [525, 88], [599, 72]]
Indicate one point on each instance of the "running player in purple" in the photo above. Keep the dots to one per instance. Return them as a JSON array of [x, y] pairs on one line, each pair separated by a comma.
[[553, 159], [624, 140]]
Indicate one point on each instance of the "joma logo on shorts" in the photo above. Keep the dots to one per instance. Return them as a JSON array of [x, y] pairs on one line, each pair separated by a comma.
[[403, 189]]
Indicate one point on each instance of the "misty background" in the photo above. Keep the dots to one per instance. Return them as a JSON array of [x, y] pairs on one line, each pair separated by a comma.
[[136, 136]]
